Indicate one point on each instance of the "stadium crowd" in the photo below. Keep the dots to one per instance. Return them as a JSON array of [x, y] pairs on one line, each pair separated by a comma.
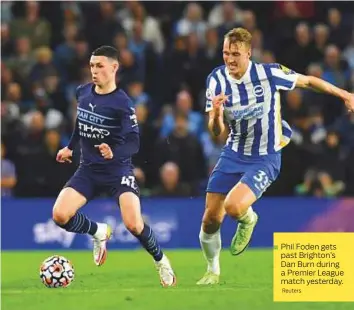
[[166, 51]]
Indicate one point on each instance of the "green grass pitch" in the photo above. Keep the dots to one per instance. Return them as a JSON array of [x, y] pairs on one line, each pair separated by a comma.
[[128, 280]]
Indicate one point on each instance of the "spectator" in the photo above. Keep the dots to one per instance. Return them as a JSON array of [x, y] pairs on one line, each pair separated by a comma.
[[249, 21], [325, 178], [8, 174], [213, 58], [55, 93], [65, 52], [23, 60], [170, 185], [102, 32], [301, 53], [225, 15], [6, 12], [151, 31], [174, 71], [148, 133], [144, 54], [183, 106], [120, 41], [348, 53], [52, 117], [336, 71], [344, 126], [56, 175], [30, 155], [183, 148], [284, 25], [321, 35], [7, 44], [257, 46], [44, 66], [129, 70], [192, 22], [338, 31], [79, 61], [32, 25], [141, 182]]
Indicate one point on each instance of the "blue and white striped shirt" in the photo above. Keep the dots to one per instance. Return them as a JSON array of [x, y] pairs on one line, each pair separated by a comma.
[[253, 107]]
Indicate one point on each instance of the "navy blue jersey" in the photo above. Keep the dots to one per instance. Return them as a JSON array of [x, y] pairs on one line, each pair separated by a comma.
[[108, 118]]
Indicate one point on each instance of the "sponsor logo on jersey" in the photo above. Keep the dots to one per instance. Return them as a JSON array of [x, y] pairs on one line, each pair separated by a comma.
[[254, 111], [92, 132]]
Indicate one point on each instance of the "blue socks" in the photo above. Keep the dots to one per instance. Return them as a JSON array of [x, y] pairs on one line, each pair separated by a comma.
[[80, 224], [148, 241]]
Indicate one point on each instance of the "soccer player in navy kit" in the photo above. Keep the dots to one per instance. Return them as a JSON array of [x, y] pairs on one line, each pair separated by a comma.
[[107, 131]]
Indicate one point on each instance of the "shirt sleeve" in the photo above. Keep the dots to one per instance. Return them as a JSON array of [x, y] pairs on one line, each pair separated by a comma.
[[75, 137], [127, 143], [129, 147], [211, 84], [283, 77], [127, 118]]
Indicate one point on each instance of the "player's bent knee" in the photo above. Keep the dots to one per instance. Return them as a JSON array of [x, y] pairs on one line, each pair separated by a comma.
[[60, 216], [240, 198], [211, 222], [214, 213], [135, 227], [235, 208], [212, 219], [66, 205], [131, 214]]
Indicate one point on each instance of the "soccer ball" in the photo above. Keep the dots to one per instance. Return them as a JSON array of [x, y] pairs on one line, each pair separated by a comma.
[[56, 271]]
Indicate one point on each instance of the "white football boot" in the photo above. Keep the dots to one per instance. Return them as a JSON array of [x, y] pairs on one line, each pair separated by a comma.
[[167, 276], [103, 234]]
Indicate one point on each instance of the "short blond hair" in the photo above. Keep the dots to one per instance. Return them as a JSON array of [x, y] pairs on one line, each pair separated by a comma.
[[240, 35]]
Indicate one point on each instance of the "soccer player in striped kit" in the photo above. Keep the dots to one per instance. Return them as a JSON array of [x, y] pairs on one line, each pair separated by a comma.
[[247, 95]]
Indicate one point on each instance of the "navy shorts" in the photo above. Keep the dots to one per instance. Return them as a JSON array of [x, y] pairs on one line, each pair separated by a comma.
[[256, 172], [91, 183]]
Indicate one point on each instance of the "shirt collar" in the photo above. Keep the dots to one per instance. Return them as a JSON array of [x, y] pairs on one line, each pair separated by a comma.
[[243, 78]]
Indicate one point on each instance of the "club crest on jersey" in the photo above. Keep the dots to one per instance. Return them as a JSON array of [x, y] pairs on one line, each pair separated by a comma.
[[258, 91]]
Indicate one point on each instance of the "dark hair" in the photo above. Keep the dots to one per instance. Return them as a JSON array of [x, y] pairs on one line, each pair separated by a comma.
[[107, 51]]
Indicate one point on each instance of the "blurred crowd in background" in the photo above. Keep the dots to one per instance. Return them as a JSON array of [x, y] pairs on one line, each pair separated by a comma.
[[166, 51]]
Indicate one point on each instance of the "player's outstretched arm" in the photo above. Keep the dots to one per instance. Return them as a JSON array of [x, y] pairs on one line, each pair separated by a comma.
[[216, 120], [317, 84], [64, 155]]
